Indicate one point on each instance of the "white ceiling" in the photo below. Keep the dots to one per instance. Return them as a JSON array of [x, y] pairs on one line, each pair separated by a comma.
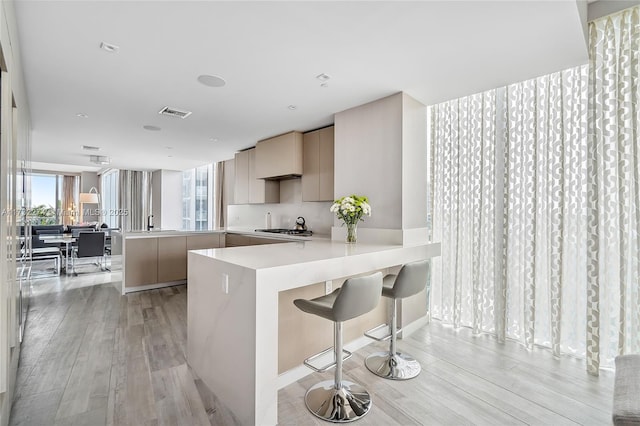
[[270, 54]]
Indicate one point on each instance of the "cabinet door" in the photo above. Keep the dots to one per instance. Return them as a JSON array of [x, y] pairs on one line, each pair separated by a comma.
[[172, 259], [326, 167], [279, 156], [261, 191], [205, 241], [238, 240], [311, 165], [241, 189], [141, 266]]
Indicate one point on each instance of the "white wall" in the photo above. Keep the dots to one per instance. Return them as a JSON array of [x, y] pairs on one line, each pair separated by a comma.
[[368, 159], [414, 163], [283, 215], [602, 8], [166, 189], [89, 180]]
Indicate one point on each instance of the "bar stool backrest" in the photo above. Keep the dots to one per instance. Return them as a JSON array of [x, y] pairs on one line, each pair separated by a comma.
[[357, 297], [412, 279]]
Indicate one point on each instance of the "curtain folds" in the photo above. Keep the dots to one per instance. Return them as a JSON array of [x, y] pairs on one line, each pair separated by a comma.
[[544, 213], [613, 250], [510, 211], [219, 213], [134, 198], [69, 201], [463, 287]]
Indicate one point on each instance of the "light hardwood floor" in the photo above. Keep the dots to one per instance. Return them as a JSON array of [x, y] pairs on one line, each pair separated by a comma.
[[93, 357]]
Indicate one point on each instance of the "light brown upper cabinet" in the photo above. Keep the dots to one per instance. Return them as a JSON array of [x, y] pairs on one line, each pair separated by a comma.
[[318, 152], [248, 189], [241, 184], [279, 157]]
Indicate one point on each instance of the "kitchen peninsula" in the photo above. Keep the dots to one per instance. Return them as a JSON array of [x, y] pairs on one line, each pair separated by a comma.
[[233, 311]]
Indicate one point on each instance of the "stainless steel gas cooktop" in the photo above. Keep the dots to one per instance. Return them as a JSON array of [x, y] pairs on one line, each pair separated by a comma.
[[287, 231]]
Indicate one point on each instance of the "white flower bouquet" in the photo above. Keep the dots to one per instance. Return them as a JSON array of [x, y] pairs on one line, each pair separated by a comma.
[[350, 210]]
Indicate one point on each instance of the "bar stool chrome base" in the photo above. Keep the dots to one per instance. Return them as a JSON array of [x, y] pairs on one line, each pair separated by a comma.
[[398, 367], [347, 404]]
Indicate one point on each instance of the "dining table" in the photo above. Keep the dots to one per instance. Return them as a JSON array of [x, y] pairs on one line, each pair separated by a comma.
[[66, 239]]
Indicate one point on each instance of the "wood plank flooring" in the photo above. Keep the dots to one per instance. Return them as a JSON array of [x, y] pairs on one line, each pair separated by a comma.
[[93, 357]]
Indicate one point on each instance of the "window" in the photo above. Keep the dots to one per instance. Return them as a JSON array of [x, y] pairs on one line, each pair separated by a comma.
[[197, 185], [110, 205], [48, 205]]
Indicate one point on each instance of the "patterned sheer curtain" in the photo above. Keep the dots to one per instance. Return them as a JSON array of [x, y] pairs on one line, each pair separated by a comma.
[[613, 255], [463, 284], [510, 211], [544, 213], [69, 200], [134, 197]]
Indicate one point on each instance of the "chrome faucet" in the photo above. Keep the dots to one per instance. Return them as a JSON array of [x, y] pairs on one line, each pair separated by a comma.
[[149, 222]]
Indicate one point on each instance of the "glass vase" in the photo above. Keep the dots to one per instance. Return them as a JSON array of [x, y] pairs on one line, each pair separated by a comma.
[[352, 232]]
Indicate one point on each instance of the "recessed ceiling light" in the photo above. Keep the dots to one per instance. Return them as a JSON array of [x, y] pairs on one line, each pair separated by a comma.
[[213, 139], [82, 115], [151, 128], [108, 47], [292, 107], [211, 80], [322, 77], [169, 147], [170, 156], [91, 148]]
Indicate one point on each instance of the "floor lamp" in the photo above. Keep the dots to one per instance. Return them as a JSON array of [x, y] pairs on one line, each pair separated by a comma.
[[91, 197]]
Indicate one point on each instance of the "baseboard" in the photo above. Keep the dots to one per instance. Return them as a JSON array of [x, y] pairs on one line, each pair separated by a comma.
[[409, 329], [297, 373], [153, 286]]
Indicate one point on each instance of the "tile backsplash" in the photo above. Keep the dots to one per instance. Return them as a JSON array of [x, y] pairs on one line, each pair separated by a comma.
[[283, 215]]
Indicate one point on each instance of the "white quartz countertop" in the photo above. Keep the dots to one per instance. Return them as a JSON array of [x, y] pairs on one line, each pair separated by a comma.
[[167, 233], [299, 252], [230, 230]]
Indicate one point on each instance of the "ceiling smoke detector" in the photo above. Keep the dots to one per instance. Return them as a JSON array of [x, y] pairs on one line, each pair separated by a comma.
[[90, 148], [174, 112], [99, 159], [323, 77]]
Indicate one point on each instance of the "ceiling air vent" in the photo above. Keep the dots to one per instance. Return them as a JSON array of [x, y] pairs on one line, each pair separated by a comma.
[[173, 112], [90, 148], [100, 159]]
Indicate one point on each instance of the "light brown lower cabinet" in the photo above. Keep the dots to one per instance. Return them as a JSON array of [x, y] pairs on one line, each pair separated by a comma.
[[237, 240], [161, 260], [141, 262], [172, 259]]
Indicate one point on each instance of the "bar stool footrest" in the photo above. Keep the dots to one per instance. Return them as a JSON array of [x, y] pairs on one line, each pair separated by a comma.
[[308, 361], [381, 333]]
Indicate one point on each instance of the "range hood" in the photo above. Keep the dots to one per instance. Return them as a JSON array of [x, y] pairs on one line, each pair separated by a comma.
[[280, 157]]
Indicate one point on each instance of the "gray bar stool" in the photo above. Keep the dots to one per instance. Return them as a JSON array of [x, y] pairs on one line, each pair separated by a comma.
[[336, 400], [411, 279]]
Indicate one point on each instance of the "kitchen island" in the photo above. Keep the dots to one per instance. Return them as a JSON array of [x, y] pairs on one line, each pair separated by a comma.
[[233, 311], [158, 258]]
